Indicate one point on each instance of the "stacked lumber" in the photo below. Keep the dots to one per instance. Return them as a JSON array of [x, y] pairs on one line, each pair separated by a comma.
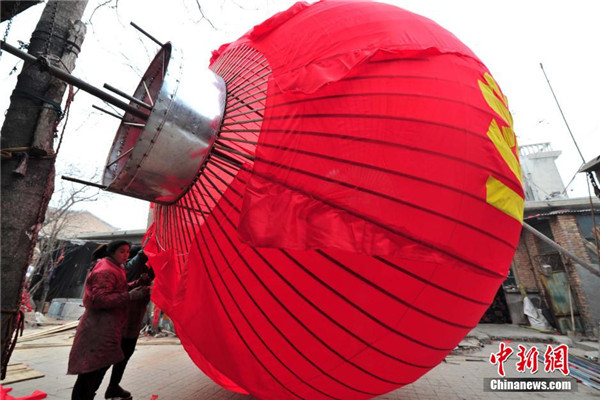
[[48, 332], [585, 371], [18, 372]]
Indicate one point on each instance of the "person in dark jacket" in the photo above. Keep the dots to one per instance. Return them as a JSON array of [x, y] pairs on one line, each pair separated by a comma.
[[136, 271], [97, 343]]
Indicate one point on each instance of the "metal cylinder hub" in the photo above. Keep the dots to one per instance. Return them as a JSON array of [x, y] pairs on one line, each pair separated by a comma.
[[158, 158]]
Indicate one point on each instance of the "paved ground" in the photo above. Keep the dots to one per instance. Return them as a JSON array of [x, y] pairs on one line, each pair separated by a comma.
[[166, 371]]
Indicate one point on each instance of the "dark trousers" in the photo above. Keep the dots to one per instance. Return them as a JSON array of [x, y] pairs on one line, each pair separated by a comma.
[[128, 346], [87, 384]]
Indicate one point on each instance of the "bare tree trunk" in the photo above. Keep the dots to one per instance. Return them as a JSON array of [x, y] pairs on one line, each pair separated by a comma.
[[45, 290], [28, 155]]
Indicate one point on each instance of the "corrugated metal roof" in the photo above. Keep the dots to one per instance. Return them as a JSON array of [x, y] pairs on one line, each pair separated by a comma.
[[593, 165], [565, 211]]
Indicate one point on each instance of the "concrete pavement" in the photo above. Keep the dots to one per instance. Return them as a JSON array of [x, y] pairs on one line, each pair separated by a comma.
[[161, 367]]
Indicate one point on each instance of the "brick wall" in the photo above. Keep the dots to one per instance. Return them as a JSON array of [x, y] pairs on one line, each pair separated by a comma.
[[522, 265], [566, 233]]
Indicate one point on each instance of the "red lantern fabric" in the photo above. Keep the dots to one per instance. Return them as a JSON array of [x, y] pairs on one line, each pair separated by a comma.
[[357, 214]]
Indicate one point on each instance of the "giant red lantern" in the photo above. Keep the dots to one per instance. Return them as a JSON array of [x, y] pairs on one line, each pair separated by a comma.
[[355, 212]]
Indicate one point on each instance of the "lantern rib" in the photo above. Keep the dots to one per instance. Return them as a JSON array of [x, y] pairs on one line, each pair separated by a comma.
[[390, 294], [386, 197], [291, 314], [496, 173], [229, 316], [268, 319], [467, 262], [350, 302]]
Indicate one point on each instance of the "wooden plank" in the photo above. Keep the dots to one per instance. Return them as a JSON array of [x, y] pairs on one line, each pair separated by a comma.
[[43, 345], [53, 329], [48, 332], [20, 372], [16, 367], [23, 376]]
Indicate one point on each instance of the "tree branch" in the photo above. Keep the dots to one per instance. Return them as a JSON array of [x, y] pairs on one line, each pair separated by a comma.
[[204, 16], [100, 6]]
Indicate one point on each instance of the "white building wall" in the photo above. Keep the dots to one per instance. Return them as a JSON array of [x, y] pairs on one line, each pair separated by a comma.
[[541, 179]]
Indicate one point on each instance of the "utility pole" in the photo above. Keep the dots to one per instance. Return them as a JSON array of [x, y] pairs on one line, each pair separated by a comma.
[[28, 154]]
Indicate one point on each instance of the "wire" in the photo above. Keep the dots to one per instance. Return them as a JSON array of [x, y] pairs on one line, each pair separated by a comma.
[[563, 115]]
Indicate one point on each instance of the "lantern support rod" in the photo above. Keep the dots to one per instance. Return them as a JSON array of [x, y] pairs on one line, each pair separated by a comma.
[[108, 112], [226, 158], [128, 97], [70, 179], [224, 147], [118, 158], [68, 78], [148, 92], [561, 249], [149, 36]]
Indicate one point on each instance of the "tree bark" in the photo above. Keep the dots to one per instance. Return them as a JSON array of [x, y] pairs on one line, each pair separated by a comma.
[[45, 290], [28, 156]]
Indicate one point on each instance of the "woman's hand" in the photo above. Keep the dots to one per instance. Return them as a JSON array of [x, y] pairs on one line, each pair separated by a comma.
[[144, 280], [139, 293]]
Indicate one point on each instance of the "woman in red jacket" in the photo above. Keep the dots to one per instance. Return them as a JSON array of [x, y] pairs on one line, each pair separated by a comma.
[[136, 271], [97, 343]]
